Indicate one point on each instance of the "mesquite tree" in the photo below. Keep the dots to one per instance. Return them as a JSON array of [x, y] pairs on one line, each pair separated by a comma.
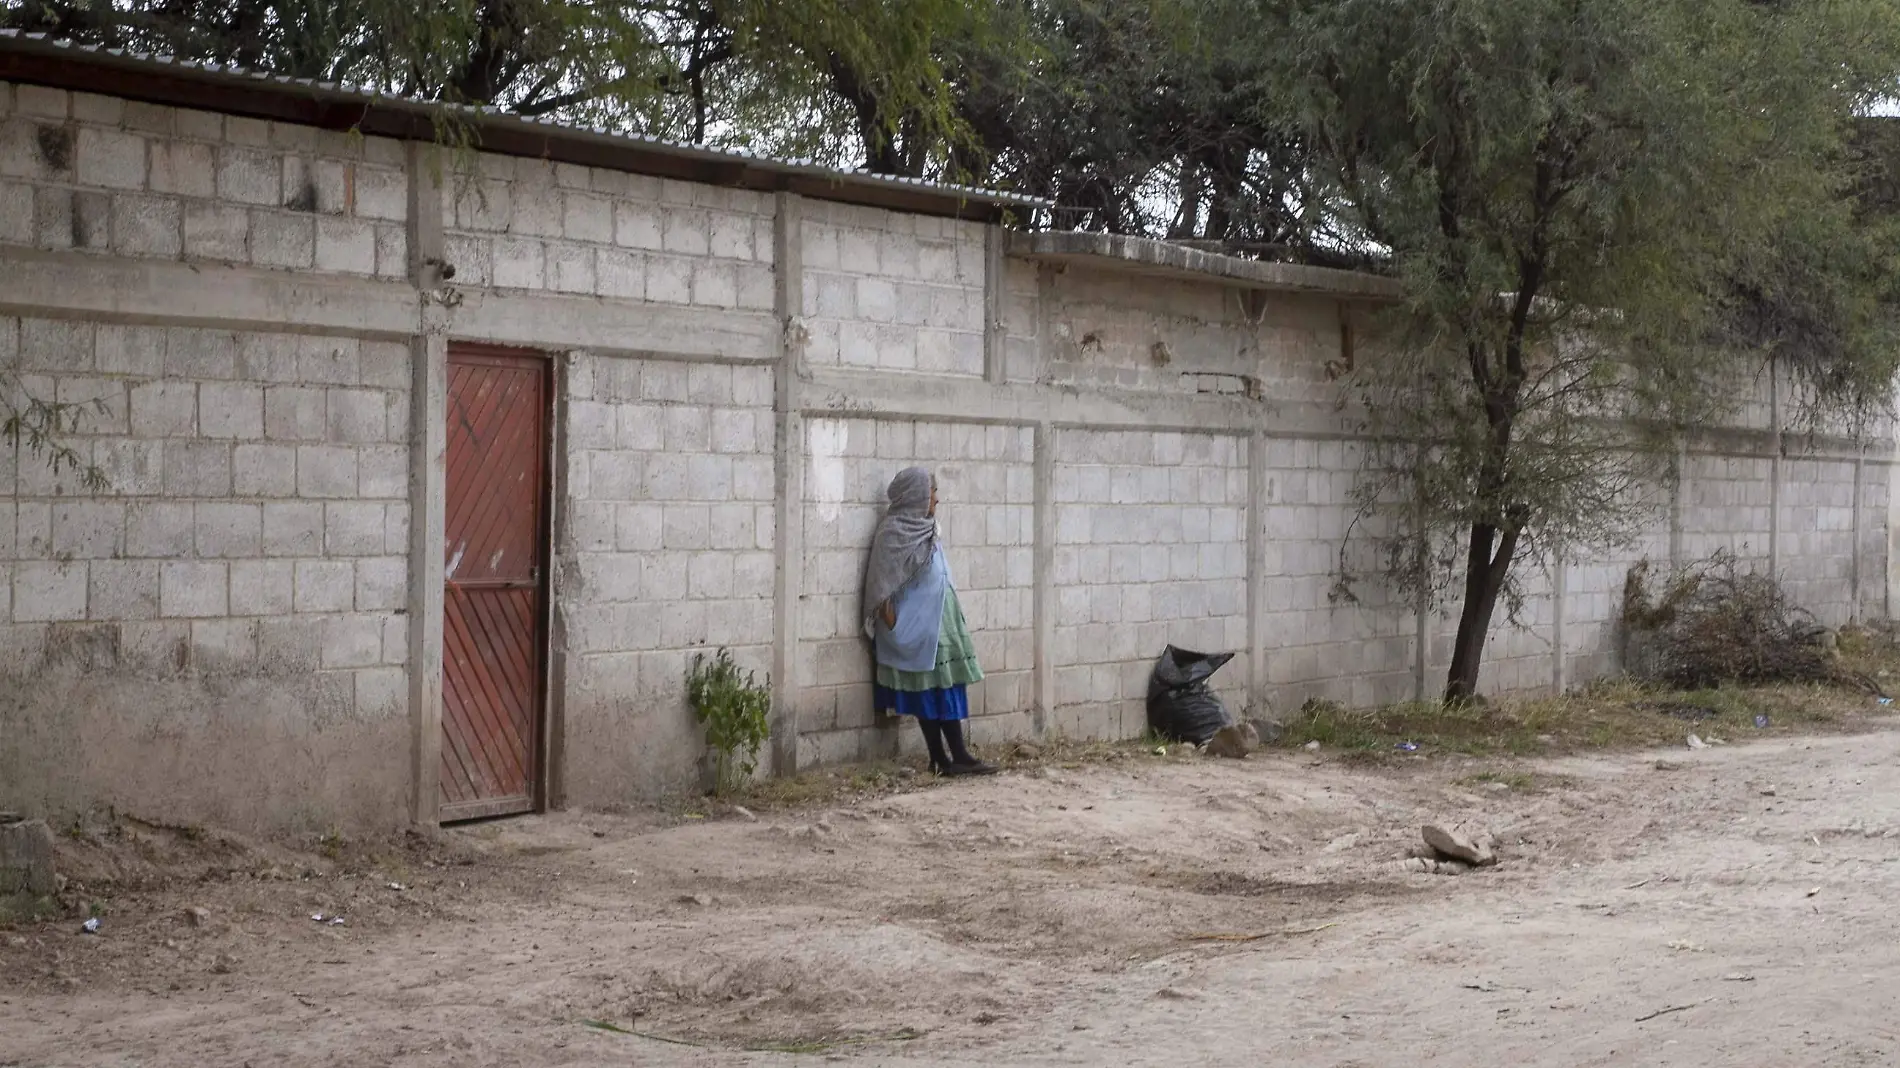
[[1597, 208]]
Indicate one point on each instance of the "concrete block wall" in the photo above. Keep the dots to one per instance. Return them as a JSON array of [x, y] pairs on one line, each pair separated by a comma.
[[227, 634], [985, 477], [1727, 503], [100, 174], [524, 224], [664, 551], [1318, 646], [1817, 536], [1150, 550], [892, 291], [1176, 336], [237, 587]]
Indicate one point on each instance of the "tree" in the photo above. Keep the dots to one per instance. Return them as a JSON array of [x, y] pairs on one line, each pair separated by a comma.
[[1590, 204], [729, 72]]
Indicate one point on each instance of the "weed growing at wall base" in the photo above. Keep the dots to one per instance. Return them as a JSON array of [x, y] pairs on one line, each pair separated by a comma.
[[735, 709]]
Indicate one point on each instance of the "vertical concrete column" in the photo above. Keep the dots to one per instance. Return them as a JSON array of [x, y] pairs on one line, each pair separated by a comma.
[[1422, 605], [1854, 571], [428, 482], [788, 529], [1680, 463], [1559, 579], [1891, 604], [1257, 474], [1043, 575], [1774, 469], [995, 328]]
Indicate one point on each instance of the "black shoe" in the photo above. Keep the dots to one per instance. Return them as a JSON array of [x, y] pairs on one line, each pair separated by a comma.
[[974, 767]]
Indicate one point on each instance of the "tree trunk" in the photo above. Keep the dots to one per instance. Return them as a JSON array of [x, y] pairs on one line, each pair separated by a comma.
[[1484, 580]]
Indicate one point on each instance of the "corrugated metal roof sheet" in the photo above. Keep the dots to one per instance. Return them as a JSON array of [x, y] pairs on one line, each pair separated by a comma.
[[497, 129]]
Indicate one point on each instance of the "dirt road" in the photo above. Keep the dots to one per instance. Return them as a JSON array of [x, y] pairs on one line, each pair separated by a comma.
[[1640, 916]]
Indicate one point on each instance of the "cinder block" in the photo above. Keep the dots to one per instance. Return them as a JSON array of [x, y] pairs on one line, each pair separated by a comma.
[[324, 586], [570, 268], [392, 253], [88, 530], [731, 236], [223, 646], [687, 429], [194, 353], [157, 528], [382, 192], [193, 590], [228, 529], [293, 413], [46, 591], [519, 264], [396, 640], [293, 528], [587, 218], [687, 233], [197, 469], [248, 176], [264, 470], [346, 246], [637, 225], [352, 528], [639, 527], [123, 589], [283, 239], [686, 526], [382, 471], [382, 584], [231, 410], [714, 285], [217, 232], [326, 471], [669, 280], [289, 647], [109, 158], [357, 416], [262, 587], [382, 692], [620, 274], [16, 213]]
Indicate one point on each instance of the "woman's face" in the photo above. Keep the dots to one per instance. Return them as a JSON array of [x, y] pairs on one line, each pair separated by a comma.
[[932, 513]]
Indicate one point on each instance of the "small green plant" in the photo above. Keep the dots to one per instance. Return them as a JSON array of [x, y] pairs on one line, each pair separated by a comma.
[[736, 710]]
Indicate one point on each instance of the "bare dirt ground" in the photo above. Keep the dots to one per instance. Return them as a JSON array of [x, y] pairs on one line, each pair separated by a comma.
[[1731, 907]]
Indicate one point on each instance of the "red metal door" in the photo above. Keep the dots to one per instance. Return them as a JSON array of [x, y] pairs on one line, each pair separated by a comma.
[[492, 607]]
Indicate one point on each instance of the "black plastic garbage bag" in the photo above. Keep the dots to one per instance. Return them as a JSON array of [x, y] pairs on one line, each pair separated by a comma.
[[1180, 705]]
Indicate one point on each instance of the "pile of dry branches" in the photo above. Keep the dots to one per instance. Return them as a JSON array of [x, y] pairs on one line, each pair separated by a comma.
[[1713, 623]]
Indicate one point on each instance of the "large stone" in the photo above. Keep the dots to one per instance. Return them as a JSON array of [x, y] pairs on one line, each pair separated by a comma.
[[1235, 740], [26, 858], [1459, 844]]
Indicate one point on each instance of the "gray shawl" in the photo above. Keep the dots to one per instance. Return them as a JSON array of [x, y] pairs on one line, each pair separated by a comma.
[[905, 538]]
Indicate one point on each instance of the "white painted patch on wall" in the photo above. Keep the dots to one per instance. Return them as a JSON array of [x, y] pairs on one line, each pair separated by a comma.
[[828, 439]]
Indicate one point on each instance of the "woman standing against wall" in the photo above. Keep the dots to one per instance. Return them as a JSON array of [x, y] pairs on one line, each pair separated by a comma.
[[925, 658]]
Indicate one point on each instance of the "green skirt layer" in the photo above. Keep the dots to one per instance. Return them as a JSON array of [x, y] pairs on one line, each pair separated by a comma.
[[956, 656]]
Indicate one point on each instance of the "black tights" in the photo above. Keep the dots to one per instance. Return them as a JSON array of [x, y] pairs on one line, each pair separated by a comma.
[[942, 734]]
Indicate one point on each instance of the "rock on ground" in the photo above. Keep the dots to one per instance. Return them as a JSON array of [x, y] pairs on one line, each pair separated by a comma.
[[1235, 740], [1457, 843]]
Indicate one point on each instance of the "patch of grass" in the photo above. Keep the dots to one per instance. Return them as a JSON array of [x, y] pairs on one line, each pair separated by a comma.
[[23, 908], [1515, 780], [1610, 715]]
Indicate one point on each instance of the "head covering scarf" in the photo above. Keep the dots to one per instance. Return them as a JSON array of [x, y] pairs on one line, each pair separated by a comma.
[[905, 539]]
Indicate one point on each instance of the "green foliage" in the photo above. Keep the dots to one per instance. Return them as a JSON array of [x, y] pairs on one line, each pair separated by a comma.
[[736, 711], [734, 72], [1580, 199], [42, 429]]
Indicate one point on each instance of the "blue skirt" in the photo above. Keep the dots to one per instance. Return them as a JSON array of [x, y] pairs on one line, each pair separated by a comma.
[[941, 705]]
